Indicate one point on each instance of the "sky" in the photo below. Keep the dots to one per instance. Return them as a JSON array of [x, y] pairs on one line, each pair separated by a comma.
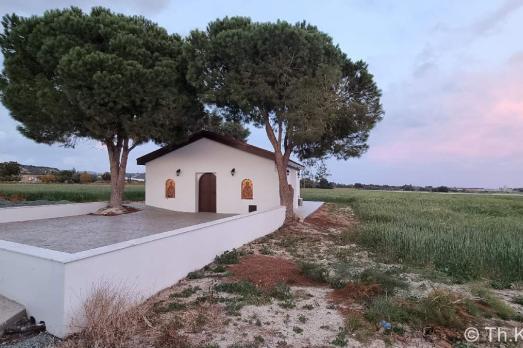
[[451, 74]]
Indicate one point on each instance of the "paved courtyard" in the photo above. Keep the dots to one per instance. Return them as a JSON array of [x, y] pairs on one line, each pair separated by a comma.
[[78, 233]]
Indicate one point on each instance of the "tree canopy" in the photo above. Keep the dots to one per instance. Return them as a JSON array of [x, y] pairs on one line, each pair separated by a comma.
[[292, 80], [101, 75], [117, 79]]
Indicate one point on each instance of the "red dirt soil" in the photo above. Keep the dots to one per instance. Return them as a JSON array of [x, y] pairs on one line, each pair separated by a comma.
[[267, 271], [323, 219], [356, 292]]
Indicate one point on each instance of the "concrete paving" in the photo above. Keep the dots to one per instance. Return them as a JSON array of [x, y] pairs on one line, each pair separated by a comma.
[[79, 233], [10, 313], [307, 209]]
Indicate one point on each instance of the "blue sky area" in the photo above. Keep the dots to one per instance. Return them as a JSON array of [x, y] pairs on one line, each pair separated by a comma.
[[451, 73]]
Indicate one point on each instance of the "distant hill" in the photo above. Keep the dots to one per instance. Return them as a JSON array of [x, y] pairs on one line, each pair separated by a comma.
[[26, 169]]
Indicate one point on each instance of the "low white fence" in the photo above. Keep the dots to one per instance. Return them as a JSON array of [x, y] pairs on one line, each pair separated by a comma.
[[53, 285], [26, 213]]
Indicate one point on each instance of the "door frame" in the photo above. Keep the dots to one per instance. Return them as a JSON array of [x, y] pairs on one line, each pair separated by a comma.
[[197, 178]]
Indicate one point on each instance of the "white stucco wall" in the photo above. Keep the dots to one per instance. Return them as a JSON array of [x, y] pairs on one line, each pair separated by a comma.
[[53, 285], [26, 213], [206, 155], [34, 277]]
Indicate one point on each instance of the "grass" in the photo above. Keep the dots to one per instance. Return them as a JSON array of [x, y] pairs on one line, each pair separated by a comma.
[[386, 280], [500, 308], [464, 236], [68, 192], [518, 300], [440, 308]]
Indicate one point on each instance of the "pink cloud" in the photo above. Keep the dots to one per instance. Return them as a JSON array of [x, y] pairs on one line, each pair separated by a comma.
[[478, 117]]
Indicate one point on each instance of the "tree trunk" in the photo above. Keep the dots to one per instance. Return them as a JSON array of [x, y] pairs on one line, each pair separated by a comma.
[[286, 190], [118, 154], [282, 161]]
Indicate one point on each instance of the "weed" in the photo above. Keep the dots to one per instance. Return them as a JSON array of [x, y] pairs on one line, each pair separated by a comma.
[[302, 319], [248, 294], [228, 257], [386, 280], [172, 306], [358, 327], [440, 308], [500, 308], [518, 300], [196, 274], [266, 250], [110, 319], [341, 339], [384, 308], [287, 304], [243, 288], [314, 271], [188, 292], [288, 241], [297, 329], [281, 292], [219, 269], [308, 307]]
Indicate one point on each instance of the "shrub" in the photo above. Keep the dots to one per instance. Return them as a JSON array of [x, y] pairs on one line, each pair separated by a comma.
[[248, 294], [243, 288], [48, 178], [281, 292], [228, 257], [195, 275], [86, 178], [314, 271], [110, 319]]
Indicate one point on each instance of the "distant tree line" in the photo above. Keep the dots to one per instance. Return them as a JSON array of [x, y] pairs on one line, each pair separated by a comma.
[[9, 171], [411, 188], [315, 175], [12, 172], [400, 188]]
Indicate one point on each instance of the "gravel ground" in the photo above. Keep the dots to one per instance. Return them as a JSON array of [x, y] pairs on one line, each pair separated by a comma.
[[42, 340]]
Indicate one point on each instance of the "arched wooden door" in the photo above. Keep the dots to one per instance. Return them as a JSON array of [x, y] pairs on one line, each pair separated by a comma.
[[207, 193]]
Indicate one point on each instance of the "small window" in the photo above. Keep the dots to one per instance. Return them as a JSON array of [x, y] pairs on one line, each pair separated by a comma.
[[170, 188], [252, 208], [247, 189]]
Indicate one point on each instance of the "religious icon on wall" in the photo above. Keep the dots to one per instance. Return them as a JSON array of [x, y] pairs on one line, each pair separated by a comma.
[[170, 188], [247, 189]]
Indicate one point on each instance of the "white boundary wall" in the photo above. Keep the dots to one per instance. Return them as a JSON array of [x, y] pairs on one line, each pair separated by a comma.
[[53, 285], [37, 212]]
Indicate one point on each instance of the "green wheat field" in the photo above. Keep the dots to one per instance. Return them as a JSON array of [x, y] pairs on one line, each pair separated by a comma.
[[466, 236], [66, 192]]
